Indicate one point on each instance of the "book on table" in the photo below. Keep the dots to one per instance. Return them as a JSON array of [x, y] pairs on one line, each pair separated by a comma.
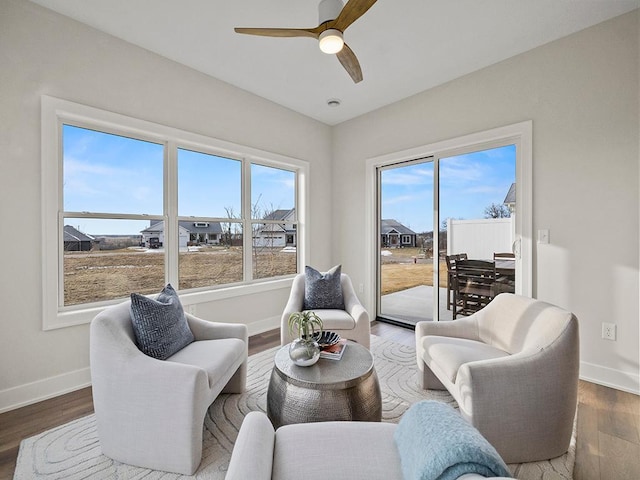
[[335, 351]]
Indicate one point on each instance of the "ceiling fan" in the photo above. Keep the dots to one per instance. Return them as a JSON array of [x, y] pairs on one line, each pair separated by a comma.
[[334, 20]]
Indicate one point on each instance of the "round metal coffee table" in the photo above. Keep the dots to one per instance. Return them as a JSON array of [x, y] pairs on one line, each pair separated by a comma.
[[345, 389]]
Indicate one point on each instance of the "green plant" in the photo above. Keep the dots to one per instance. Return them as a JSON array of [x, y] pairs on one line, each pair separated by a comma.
[[306, 323]]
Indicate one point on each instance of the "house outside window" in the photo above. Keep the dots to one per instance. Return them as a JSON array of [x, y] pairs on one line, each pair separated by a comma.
[[142, 207], [394, 234]]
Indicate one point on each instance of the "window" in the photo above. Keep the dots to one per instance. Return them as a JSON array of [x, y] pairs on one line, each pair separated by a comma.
[[273, 216], [129, 206], [111, 191], [209, 200]]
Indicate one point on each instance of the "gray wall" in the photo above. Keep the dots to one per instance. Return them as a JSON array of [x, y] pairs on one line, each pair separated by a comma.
[[581, 93], [44, 53]]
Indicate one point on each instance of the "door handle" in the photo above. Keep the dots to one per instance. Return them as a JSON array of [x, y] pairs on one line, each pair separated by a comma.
[[515, 247]]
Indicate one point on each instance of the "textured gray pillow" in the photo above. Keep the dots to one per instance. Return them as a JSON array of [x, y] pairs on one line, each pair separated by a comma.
[[323, 290], [160, 326]]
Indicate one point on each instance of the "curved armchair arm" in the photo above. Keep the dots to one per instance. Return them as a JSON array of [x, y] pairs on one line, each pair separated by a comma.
[[252, 456], [359, 314], [462, 328], [294, 304], [206, 330], [353, 307], [352, 304]]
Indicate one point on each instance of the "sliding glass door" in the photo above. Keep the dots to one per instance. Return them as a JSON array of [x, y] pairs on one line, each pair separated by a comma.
[[434, 209], [406, 201]]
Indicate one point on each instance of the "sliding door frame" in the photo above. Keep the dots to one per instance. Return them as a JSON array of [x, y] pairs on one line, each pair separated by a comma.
[[378, 273], [520, 135]]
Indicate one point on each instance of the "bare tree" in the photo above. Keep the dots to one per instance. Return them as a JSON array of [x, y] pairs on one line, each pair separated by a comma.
[[227, 227], [256, 212], [263, 233], [497, 211]]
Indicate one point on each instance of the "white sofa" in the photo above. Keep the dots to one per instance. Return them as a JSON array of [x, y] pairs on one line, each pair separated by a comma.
[[317, 451], [150, 413], [513, 369], [351, 323]]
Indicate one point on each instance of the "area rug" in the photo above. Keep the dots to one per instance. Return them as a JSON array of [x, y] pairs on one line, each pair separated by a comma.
[[72, 451]]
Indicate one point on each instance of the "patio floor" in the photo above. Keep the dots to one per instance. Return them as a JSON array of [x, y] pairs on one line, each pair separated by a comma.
[[414, 305]]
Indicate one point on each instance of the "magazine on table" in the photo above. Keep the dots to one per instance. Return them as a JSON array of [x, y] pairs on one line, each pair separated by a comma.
[[334, 352]]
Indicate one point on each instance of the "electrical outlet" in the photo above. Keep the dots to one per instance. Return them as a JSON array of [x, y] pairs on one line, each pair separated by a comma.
[[361, 288], [609, 331]]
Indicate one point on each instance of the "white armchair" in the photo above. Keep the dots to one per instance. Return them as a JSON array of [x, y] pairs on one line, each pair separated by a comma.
[[353, 450], [150, 413], [513, 369], [351, 323]]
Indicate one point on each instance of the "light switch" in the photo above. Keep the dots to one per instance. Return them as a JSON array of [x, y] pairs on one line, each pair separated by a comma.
[[543, 236]]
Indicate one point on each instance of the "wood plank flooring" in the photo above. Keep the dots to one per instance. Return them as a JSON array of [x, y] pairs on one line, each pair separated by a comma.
[[608, 445]]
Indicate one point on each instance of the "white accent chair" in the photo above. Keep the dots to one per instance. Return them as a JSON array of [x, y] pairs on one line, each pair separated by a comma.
[[150, 413], [351, 323], [317, 451], [513, 369]]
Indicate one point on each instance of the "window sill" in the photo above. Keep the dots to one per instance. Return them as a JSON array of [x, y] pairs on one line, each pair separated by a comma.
[[71, 318]]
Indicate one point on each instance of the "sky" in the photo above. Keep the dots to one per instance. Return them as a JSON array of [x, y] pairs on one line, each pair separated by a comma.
[[106, 173], [468, 184]]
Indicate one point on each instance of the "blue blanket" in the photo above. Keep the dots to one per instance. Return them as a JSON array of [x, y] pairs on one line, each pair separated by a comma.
[[436, 443]]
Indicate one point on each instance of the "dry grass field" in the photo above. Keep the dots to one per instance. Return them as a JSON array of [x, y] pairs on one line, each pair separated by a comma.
[[97, 276], [400, 271]]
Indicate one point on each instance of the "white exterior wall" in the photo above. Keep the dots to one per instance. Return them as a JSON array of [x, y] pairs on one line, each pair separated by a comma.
[[278, 238], [275, 240], [480, 238], [183, 237]]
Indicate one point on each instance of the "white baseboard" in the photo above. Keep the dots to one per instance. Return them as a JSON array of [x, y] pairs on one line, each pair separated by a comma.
[[264, 325], [34, 392], [610, 377]]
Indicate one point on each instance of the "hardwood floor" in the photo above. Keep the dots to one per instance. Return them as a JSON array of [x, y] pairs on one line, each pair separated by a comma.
[[608, 445]]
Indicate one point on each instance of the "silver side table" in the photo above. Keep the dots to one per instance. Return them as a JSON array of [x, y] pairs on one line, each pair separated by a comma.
[[345, 389]]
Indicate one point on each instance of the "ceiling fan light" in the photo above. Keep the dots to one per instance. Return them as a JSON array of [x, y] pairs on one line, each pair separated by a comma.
[[331, 41]]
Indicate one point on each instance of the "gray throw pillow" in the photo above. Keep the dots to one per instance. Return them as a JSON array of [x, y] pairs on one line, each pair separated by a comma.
[[160, 326], [323, 290]]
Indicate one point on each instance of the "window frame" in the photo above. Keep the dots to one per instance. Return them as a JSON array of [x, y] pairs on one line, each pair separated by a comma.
[[55, 112]]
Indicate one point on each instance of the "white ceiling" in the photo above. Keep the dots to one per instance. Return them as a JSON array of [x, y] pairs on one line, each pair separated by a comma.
[[404, 46]]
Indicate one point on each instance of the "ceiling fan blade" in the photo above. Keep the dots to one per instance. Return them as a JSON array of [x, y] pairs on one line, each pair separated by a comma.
[[350, 63], [281, 32], [352, 11]]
